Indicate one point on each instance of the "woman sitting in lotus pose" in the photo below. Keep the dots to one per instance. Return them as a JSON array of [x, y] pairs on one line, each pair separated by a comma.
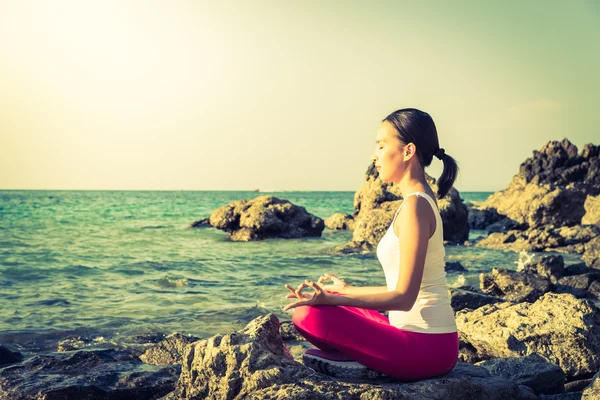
[[419, 340]]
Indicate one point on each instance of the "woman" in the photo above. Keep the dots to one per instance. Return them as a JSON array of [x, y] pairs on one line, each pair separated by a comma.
[[419, 340]]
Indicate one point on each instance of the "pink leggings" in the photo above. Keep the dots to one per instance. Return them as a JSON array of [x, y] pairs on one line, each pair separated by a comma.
[[367, 337]]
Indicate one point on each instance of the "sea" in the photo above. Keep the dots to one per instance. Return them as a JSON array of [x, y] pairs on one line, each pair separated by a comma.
[[115, 267]]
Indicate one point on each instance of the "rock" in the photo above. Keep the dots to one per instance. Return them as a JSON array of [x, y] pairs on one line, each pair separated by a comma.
[[551, 267], [533, 371], [98, 374], [537, 205], [265, 217], [594, 290], [577, 285], [592, 392], [454, 266], [73, 343], [461, 299], [576, 269], [561, 396], [504, 225], [514, 286], [340, 221], [591, 255], [557, 163], [481, 218], [201, 223], [8, 356], [253, 363], [578, 385], [376, 202], [592, 211], [288, 332], [169, 351], [562, 329]]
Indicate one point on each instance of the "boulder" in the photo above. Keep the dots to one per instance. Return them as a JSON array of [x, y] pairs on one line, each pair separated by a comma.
[[253, 363], [592, 392], [532, 370], [537, 205], [201, 223], [71, 343], [577, 285], [514, 286], [551, 267], [340, 221], [559, 327], [461, 299], [376, 202], [563, 239], [265, 217], [8, 356], [169, 351], [481, 218], [454, 266], [592, 211], [591, 254], [97, 374]]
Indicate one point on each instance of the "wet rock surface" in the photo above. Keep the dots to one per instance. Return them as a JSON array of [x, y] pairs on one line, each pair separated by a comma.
[[265, 217], [8, 356], [201, 223], [559, 327], [98, 374]]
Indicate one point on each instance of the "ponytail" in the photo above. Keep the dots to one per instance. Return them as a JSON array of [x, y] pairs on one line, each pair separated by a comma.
[[448, 176]]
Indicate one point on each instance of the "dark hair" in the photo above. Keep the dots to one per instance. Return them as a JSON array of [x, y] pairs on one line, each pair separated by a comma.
[[416, 126]]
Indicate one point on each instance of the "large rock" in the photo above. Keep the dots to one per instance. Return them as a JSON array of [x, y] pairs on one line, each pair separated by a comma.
[[591, 254], [376, 202], [514, 286], [461, 299], [253, 363], [538, 205], [559, 327], [592, 211], [549, 192], [533, 371], [265, 217], [340, 221], [8, 356], [168, 351], [94, 375], [481, 218], [562, 239], [592, 392]]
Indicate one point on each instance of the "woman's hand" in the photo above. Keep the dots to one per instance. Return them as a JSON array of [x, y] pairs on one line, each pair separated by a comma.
[[319, 297], [338, 285]]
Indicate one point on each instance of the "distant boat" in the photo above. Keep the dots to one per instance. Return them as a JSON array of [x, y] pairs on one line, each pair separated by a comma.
[[256, 190]]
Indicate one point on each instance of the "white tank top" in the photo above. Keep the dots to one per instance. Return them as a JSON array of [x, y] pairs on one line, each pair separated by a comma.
[[431, 312]]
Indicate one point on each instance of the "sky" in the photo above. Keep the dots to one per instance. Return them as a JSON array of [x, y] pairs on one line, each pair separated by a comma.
[[284, 95]]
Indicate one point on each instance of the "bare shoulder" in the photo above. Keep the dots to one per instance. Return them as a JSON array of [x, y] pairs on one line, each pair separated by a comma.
[[416, 210]]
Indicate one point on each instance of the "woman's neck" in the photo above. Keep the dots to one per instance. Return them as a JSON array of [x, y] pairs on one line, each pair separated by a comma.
[[413, 181]]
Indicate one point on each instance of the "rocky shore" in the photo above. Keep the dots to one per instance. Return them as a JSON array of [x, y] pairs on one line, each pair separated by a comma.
[[533, 333]]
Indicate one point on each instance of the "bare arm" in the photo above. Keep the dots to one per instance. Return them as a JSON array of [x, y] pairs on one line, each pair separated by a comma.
[[351, 290], [414, 231]]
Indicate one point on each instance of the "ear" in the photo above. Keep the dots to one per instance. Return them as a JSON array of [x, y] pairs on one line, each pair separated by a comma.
[[410, 151]]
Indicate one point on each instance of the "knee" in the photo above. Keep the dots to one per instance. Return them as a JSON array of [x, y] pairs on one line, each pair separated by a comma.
[[300, 315]]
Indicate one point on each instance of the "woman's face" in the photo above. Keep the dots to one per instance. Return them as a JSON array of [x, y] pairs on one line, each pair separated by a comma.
[[388, 156]]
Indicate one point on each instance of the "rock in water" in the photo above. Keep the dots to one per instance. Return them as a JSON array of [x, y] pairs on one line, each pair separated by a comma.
[[254, 364], [562, 329], [340, 221], [376, 202], [265, 217], [95, 375], [168, 351]]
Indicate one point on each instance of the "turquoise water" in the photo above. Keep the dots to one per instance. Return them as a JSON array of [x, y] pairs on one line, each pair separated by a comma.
[[113, 265]]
